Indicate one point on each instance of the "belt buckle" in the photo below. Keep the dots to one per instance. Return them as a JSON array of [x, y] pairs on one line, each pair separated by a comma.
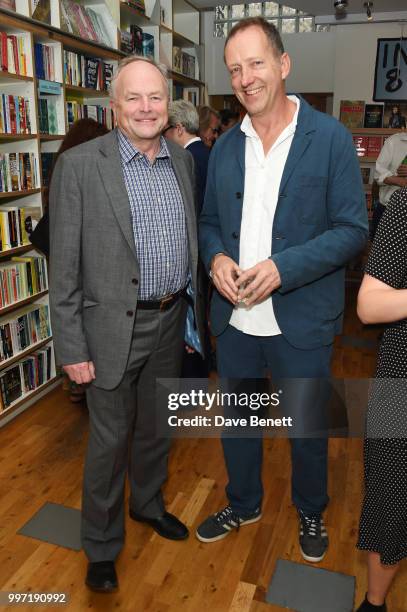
[[164, 301]]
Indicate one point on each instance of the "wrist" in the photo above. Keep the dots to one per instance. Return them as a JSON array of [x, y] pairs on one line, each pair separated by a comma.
[[213, 261]]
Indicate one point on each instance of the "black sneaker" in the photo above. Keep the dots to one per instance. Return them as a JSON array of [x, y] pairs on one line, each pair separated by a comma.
[[219, 525], [313, 537], [366, 606]]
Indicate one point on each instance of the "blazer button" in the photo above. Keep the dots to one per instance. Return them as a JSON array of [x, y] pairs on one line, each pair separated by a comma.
[[235, 235], [134, 281], [129, 313]]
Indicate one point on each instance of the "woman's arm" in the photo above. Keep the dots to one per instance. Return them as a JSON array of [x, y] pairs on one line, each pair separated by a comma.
[[380, 303]]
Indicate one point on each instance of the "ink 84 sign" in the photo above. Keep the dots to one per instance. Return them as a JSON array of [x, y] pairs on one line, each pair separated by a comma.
[[391, 70]]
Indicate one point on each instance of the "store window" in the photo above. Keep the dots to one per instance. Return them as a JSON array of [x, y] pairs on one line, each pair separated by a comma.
[[285, 18]]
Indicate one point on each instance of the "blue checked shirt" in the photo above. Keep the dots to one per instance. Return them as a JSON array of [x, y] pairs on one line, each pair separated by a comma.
[[158, 219]]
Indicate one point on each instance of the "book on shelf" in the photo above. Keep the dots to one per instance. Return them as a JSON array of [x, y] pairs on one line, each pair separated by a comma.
[[139, 5], [102, 114], [10, 5], [368, 146], [47, 163], [16, 223], [13, 53], [44, 57], [41, 10], [85, 22], [191, 94], [365, 172], [148, 45], [18, 172], [25, 376], [177, 59], [126, 42], [23, 328], [14, 115], [395, 120], [48, 116], [21, 278], [137, 39], [373, 116], [352, 113], [83, 71]]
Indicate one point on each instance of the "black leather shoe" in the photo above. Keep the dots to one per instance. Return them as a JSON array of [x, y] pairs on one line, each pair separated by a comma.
[[102, 577], [167, 525]]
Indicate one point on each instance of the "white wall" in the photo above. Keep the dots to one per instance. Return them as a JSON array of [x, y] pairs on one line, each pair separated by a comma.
[[341, 61]]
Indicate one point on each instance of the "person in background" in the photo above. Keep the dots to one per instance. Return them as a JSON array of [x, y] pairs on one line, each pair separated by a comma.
[[390, 172], [284, 212], [183, 128], [228, 118], [209, 122], [123, 250], [383, 299], [80, 131]]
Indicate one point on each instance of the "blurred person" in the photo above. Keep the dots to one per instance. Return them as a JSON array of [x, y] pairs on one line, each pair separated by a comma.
[[209, 122], [228, 118], [396, 120], [383, 299]]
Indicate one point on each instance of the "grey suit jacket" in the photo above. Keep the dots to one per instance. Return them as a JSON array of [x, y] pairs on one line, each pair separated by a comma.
[[94, 270]]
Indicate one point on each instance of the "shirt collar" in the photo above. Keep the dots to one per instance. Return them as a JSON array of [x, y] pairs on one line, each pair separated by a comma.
[[128, 151], [194, 139], [248, 129]]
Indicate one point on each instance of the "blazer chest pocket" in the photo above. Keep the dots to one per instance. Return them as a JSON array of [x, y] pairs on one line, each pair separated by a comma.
[[309, 194]]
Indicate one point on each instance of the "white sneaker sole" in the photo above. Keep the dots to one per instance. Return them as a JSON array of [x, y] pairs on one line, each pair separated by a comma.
[[224, 535], [312, 559]]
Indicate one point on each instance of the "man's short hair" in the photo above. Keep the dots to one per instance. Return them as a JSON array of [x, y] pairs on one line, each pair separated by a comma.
[[268, 28], [131, 59], [185, 113]]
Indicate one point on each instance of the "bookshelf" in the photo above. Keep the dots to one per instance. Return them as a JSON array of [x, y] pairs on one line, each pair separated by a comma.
[[40, 54]]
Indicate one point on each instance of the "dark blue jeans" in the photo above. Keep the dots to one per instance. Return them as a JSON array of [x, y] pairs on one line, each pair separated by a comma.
[[244, 356]]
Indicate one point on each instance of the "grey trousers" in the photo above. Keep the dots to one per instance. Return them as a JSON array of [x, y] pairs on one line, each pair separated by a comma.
[[122, 435]]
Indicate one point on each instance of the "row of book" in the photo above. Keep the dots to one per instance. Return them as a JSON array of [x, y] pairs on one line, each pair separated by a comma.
[[84, 22], [137, 42], [48, 117], [183, 62], [14, 115], [16, 223], [44, 61], [87, 72], [22, 277], [139, 5], [368, 146], [25, 376], [25, 327], [18, 172], [13, 53], [357, 114], [101, 114]]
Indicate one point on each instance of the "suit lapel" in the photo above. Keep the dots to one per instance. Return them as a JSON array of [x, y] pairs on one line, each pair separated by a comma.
[[112, 177], [301, 141]]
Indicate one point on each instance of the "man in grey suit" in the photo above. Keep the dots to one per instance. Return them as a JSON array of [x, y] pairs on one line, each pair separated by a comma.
[[123, 246]]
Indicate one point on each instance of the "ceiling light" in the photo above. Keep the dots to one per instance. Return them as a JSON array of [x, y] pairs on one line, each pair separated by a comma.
[[340, 5]]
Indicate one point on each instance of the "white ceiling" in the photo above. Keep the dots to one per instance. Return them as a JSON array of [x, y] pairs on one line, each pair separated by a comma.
[[320, 7]]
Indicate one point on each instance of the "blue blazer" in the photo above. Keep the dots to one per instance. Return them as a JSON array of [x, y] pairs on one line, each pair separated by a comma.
[[200, 153], [319, 225]]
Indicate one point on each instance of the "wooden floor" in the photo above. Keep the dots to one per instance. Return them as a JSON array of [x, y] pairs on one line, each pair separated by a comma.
[[41, 457]]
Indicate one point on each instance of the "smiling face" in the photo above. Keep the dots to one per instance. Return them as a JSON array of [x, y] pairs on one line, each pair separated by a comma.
[[140, 103], [257, 71]]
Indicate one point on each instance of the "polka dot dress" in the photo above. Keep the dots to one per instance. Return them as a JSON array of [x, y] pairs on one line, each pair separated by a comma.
[[383, 523]]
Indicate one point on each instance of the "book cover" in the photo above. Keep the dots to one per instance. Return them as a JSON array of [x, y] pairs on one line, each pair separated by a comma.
[[148, 45], [41, 10], [374, 146], [91, 72], [352, 113], [10, 5], [126, 42], [361, 145], [373, 116], [395, 116], [137, 34], [365, 171]]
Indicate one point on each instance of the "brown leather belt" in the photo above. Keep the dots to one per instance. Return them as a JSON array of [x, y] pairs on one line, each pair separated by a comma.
[[164, 303]]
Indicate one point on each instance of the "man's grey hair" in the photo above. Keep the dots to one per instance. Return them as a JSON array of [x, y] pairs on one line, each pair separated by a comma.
[[185, 113], [131, 59]]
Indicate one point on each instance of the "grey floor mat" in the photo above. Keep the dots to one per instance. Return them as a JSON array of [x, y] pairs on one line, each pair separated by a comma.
[[55, 524], [310, 589]]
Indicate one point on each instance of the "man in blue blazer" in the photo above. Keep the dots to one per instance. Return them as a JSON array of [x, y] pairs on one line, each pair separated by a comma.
[[284, 212]]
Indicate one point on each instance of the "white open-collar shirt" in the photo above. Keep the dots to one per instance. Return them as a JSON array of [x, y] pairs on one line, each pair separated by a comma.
[[261, 186]]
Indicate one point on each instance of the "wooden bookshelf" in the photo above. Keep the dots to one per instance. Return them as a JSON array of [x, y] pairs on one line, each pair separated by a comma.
[[15, 406], [30, 349], [17, 251], [24, 302], [10, 77], [10, 137]]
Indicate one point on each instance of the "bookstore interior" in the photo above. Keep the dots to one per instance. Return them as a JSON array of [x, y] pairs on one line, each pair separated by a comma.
[[57, 60]]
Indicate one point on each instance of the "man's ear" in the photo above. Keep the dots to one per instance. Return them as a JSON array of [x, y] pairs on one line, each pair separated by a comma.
[[285, 65]]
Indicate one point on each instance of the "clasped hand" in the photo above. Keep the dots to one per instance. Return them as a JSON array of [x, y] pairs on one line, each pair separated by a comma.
[[250, 286]]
